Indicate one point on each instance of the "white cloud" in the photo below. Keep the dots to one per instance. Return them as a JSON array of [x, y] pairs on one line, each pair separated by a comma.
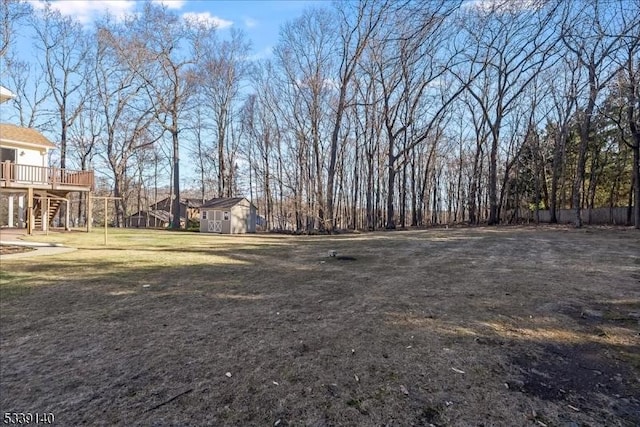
[[250, 22], [207, 19], [85, 11], [171, 4]]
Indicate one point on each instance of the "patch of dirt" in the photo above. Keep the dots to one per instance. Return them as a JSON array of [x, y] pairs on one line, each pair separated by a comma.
[[12, 249]]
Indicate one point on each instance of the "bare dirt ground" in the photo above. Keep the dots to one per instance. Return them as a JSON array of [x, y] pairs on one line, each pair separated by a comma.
[[13, 249], [460, 327]]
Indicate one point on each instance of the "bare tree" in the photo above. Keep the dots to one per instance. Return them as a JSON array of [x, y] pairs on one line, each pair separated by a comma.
[[224, 67], [565, 76], [305, 56], [126, 115], [626, 107], [411, 71], [29, 85], [163, 49], [358, 24], [64, 52], [511, 46], [632, 70], [84, 138], [11, 13], [200, 150], [593, 33]]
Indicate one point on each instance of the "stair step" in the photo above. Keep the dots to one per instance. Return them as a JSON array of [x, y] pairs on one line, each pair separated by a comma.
[[54, 207]]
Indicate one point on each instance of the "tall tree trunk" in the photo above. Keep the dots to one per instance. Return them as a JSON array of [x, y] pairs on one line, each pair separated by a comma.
[[635, 133], [175, 203], [636, 181], [221, 160], [493, 182], [414, 194], [390, 185], [356, 187], [585, 128]]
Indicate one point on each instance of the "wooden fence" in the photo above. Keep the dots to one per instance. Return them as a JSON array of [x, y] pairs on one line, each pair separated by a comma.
[[614, 216]]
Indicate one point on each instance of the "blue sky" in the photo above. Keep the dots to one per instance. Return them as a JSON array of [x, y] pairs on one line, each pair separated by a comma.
[[261, 20]]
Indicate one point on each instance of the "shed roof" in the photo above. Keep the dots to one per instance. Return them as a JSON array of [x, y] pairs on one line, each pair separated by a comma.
[[17, 134], [224, 202]]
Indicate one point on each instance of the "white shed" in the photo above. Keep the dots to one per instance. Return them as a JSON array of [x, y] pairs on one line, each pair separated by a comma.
[[228, 215]]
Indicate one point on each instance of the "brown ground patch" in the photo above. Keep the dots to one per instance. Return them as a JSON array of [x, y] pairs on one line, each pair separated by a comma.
[[12, 249], [507, 326]]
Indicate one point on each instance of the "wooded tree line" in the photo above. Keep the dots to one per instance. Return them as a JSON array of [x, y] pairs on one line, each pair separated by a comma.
[[371, 114]]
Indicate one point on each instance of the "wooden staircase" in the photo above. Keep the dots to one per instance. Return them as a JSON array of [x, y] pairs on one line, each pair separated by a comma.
[[54, 208]]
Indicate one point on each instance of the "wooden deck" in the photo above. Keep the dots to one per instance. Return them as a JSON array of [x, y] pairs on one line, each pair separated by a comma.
[[18, 176]]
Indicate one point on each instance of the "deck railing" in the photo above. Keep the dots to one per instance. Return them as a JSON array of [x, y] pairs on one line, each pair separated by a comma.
[[37, 175]]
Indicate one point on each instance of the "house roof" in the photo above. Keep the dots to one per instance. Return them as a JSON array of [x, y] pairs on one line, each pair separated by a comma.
[[223, 202], [193, 203], [16, 134], [5, 94], [158, 213], [188, 202]]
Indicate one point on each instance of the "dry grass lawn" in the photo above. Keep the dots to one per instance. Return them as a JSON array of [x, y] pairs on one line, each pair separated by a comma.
[[459, 327]]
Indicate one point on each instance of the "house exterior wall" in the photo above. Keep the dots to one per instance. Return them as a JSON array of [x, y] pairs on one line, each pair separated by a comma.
[[165, 205], [143, 220], [31, 157], [238, 219], [253, 219], [243, 218]]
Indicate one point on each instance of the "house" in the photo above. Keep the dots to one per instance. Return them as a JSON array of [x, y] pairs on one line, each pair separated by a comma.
[[159, 214], [149, 219], [189, 208], [228, 215], [25, 175]]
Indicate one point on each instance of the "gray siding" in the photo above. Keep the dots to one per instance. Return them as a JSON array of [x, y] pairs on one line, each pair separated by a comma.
[[242, 219]]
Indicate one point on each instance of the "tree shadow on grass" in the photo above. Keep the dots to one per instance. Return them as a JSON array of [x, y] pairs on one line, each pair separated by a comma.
[[590, 377]]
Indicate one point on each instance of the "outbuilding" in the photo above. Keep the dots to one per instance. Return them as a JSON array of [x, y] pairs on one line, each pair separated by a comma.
[[228, 215]]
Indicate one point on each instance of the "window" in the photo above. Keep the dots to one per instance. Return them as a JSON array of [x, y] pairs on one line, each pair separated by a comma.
[[204, 214], [225, 216], [7, 154]]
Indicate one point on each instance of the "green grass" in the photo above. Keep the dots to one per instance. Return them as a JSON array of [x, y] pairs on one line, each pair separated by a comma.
[[140, 256]]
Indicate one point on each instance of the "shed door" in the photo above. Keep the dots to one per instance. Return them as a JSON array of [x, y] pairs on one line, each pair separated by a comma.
[[226, 222], [214, 225]]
